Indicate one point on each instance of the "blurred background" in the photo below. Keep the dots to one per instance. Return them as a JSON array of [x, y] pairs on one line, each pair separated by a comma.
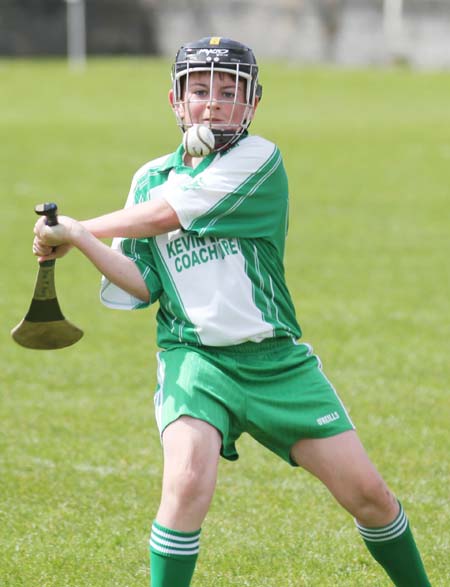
[[356, 94], [342, 32]]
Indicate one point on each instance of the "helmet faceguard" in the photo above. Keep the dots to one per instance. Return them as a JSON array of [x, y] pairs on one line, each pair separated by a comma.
[[217, 55]]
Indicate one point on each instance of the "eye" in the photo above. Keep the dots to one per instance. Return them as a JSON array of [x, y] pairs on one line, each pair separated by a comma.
[[228, 95], [200, 93]]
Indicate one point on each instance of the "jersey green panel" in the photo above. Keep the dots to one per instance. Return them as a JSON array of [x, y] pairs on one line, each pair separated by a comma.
[[265, 270]]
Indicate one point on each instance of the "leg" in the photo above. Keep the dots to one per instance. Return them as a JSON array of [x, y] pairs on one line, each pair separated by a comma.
[[342, 464], [191, 455]]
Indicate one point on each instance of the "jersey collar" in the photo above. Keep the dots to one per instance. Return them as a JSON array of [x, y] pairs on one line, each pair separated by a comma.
[[175, 160]]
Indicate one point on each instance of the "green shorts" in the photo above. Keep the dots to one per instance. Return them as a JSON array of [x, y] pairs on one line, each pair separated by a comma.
[[274, 390]]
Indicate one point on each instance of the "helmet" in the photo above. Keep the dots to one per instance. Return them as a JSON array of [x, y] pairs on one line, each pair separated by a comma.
[[218, 54]]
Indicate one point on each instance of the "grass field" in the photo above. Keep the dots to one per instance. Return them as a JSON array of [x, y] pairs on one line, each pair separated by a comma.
[[368, 156]]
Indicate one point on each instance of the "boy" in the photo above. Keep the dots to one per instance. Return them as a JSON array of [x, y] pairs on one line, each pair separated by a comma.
[[205, 237]]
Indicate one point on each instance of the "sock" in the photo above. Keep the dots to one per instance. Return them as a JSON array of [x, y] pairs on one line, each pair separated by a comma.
[[173, 556], [394, 548]]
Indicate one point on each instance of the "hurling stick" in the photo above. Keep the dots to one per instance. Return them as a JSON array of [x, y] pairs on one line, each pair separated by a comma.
[[44, 327]]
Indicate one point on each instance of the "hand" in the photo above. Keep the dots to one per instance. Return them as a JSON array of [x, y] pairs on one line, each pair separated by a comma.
[[53, 242]]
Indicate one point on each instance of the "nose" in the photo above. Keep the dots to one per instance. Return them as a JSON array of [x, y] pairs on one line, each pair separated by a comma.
[[213, 103]]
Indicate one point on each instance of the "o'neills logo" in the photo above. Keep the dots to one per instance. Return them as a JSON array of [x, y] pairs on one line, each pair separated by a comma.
[[215, 52], [328, 418]]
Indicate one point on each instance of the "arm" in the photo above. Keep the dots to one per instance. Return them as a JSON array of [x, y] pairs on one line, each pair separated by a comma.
[[117, 268], [139, 221]]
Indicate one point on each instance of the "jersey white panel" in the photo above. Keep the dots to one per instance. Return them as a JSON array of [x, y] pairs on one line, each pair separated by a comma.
[[217, 295]]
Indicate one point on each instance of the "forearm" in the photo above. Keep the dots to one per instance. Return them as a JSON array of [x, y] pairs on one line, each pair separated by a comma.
[[117, 268], [139, 221]]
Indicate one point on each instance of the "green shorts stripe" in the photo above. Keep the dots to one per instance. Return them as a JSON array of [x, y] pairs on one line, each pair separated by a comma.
[[275, 391]]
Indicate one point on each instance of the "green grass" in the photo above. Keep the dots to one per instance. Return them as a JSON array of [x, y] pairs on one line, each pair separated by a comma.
[[368, 156]]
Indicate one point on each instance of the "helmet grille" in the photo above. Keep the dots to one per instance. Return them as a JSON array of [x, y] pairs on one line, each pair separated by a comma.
[[217, 55]]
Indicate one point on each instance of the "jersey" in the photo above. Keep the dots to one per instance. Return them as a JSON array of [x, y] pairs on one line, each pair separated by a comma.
[[220, 278]]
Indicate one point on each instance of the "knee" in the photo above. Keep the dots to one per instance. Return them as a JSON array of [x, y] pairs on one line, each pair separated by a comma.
[[187, 489], [186, 483], [374, 503]]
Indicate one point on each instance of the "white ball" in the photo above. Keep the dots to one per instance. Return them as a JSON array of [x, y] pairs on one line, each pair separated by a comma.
[[198, 141]]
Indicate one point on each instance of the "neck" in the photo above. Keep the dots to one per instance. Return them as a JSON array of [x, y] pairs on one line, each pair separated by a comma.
[[190, 161]]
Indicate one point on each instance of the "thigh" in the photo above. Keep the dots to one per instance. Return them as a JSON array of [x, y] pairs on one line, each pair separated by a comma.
[[191, 446], [343, 465]]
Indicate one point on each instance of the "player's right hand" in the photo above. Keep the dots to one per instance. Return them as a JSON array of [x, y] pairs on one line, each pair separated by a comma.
[[53, 242], [46, 253]]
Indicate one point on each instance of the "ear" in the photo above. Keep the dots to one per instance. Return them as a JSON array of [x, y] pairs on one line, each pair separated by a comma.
[[177, 108], [255, 106], [171, 98]]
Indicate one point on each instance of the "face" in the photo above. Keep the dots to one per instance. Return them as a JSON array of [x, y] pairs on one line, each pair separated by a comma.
[[222, 106]]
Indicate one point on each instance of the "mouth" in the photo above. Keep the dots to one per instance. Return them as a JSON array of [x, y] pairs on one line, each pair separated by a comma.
[[213, 121]]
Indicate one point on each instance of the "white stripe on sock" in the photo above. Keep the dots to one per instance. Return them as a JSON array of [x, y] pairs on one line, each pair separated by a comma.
[[166, 550], [167, 543], [176, 538], [174, 544], [389, 532]]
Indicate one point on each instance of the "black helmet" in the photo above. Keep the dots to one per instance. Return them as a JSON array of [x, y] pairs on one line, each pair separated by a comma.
[[222, 55]]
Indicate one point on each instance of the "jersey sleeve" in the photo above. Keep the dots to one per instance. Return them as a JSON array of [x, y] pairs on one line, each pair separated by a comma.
[[140, 252], [240, 194]]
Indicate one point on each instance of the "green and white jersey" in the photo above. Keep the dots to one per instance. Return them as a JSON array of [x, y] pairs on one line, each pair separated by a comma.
[[220, 279]]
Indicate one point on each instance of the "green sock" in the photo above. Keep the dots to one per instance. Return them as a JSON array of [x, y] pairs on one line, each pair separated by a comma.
[[173, 556], [393, 546]]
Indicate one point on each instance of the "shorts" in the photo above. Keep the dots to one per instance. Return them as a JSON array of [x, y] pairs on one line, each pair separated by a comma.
[[274, 390]]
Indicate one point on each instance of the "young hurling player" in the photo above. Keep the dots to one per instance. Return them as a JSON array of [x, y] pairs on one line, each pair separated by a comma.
[[205, 237]]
